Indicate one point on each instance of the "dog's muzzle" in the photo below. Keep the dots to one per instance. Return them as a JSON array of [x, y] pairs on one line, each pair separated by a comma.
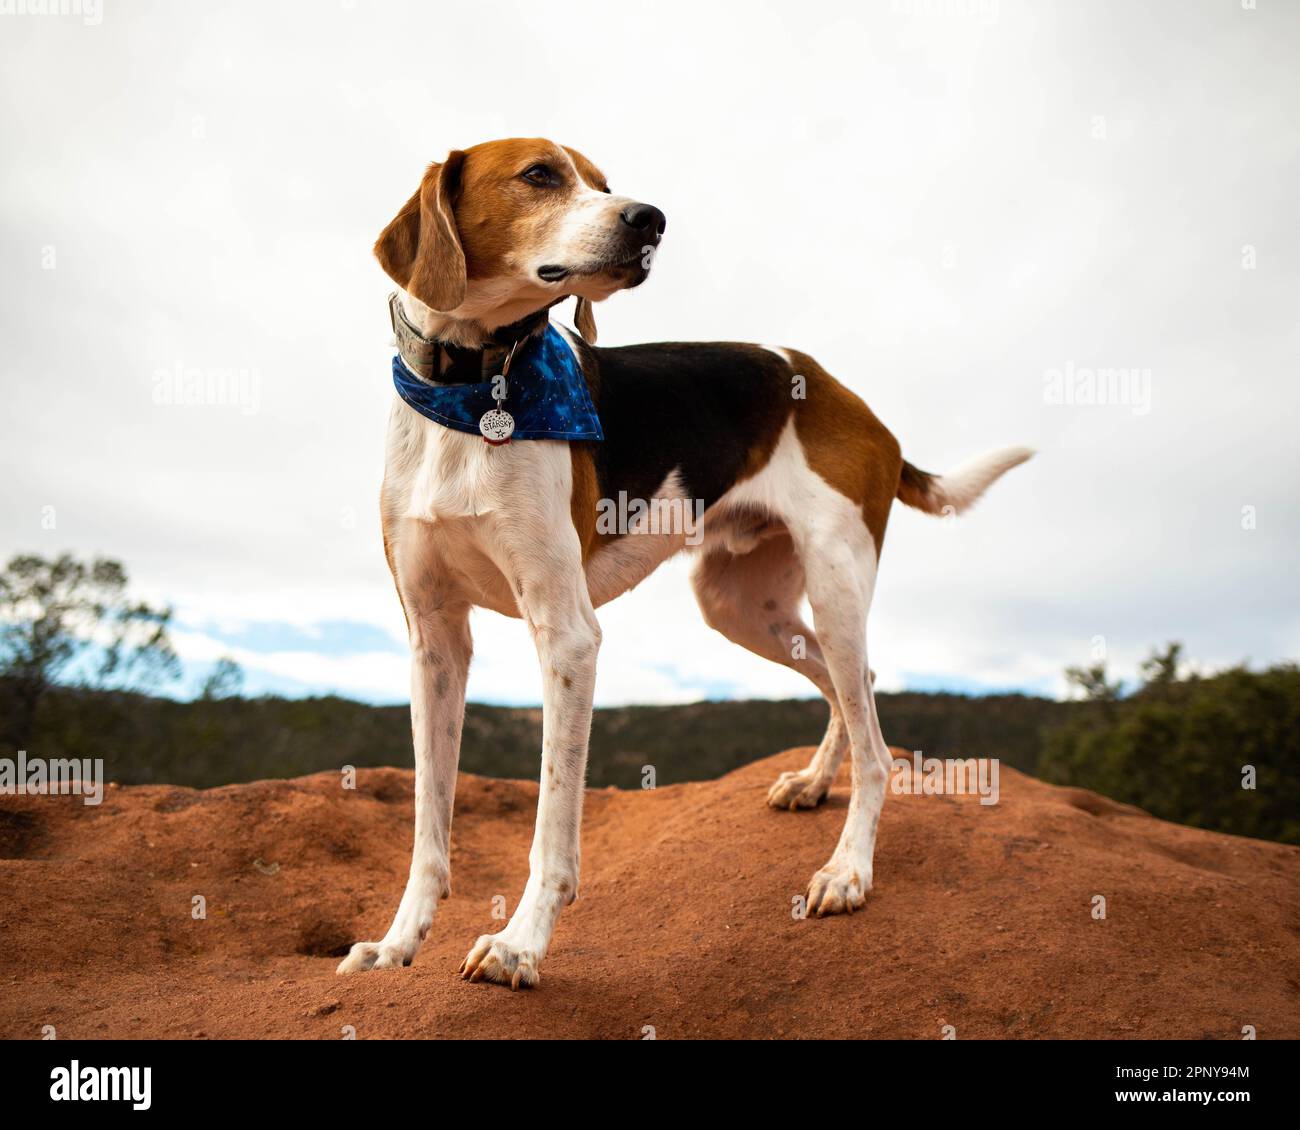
[[630, 247]]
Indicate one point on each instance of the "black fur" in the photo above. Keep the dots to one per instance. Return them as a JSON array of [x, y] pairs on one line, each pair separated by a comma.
[[703, 407]]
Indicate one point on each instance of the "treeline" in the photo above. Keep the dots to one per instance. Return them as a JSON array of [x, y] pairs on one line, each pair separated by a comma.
[[78, 654], [216, 741], [1219, 752]]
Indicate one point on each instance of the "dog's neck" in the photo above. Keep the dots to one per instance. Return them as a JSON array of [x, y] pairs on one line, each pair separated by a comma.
[[445, 349], [474, 329]]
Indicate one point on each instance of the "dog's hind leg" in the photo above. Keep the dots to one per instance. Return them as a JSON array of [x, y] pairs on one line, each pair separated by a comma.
[[438, 626], [753, 599], [839, 557]]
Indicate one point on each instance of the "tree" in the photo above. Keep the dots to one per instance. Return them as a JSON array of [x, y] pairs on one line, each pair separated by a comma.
[[1092, 681], [1218, 751], [1161, 669], [66, 620], [225, 680]]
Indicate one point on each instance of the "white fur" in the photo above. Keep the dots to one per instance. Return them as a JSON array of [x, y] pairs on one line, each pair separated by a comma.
[[832, 553], [959, 489], [470, 524]]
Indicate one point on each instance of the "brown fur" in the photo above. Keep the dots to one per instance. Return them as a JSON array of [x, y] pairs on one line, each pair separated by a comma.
[[585, 497], [914, 487], [420, 249], [847, 445], [473, 216]]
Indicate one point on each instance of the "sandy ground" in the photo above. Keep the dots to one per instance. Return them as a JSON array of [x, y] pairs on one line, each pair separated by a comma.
[[981, 917]]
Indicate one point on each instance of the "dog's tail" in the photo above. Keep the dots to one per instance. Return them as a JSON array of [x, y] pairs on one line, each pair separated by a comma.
[[958, 490]]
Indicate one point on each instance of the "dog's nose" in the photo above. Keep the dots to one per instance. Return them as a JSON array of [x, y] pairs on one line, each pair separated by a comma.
[[644, 218]]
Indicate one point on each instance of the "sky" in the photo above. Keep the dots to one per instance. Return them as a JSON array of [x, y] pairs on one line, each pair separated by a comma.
[[960, 207]]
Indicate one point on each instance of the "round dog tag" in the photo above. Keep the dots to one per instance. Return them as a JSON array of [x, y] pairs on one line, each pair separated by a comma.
[[497, 426]]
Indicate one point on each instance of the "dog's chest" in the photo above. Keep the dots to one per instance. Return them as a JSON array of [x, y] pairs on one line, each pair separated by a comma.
[[437, 473]]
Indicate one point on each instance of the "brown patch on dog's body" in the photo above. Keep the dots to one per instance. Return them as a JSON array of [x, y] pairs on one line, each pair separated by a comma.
[[585, 497], [847, 445]]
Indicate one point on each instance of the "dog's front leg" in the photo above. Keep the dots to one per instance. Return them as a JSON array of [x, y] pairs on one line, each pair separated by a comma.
[[564, 628], [438, 626]]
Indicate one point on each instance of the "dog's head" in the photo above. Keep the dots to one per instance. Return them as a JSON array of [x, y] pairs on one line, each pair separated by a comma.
[[502, 229]]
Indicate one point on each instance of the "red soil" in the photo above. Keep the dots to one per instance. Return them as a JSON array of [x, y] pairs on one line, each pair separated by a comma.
[[981, 917]]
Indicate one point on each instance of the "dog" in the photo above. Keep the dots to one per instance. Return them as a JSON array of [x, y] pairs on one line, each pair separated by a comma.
[[794, 474]]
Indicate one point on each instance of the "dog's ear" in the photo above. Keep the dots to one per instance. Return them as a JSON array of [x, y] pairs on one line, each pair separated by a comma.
[[420, 250], [585, 319]]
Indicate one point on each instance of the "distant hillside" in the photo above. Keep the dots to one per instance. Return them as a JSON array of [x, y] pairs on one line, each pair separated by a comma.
[[150, 740], [1220, 752]]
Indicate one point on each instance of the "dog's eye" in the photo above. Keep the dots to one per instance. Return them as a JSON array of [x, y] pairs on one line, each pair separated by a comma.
[[538, 174]]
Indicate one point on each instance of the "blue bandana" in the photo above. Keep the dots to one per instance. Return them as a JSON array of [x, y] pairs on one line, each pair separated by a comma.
[[546, 394]]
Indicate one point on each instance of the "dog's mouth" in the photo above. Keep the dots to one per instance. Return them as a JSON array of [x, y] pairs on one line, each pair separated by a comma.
[[633, 269]]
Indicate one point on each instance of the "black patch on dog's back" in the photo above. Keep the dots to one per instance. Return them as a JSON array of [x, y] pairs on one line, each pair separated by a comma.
[[713, 410]]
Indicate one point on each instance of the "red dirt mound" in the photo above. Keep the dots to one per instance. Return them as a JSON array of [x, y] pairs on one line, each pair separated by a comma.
[[981, 918]]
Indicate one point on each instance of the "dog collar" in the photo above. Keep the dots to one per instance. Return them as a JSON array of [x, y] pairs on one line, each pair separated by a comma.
[[445, 363], [537, 391]]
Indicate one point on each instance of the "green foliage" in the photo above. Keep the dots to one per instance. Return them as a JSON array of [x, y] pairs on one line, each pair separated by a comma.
[[62, 619], [1162, 668], [1179, 748], [1093, 683], [218, 740]]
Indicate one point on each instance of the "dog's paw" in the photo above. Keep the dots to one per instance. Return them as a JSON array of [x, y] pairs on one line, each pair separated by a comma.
[[838, 889], [374, 955], [803, 789], [493, 958]]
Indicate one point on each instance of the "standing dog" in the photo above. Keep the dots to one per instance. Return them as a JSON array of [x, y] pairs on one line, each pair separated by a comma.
[[794, 473]]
